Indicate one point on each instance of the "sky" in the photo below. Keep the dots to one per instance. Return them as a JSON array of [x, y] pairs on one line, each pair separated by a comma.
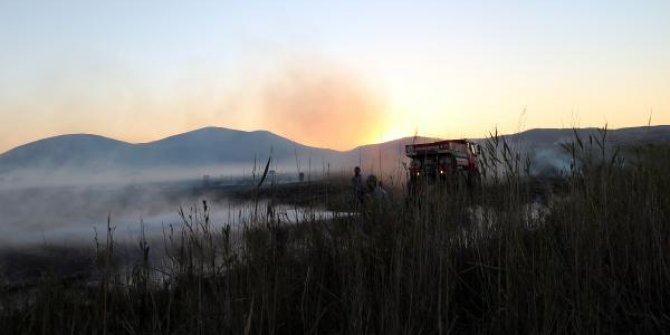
[[329, 73]]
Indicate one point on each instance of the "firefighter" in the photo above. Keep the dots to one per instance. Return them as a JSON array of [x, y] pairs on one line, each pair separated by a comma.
[[357, 187], [375, 190], [380, 192]]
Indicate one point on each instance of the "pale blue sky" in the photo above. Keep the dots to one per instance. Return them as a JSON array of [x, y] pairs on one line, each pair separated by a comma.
[[140, 70]]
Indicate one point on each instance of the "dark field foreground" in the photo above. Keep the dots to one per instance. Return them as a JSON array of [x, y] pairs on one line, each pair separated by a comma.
[[593, 259]]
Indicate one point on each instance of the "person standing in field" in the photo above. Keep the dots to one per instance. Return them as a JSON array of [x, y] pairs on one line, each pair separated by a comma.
[[357, 185], [375, 190], [380, 192]]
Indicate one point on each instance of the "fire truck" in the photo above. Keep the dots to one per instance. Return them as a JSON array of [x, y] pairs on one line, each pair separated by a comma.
[[444, 161]]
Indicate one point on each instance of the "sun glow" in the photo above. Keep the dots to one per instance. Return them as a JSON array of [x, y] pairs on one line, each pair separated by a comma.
[[393, 134]]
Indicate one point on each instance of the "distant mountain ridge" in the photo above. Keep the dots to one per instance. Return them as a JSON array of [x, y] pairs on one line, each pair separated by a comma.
[[200, 147], [652, 134], [60, 150], [224, 148]]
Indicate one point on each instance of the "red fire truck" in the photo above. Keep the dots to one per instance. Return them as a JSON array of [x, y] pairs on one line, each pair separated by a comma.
[[444, 161]]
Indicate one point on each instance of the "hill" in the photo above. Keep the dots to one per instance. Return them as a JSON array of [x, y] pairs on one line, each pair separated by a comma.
[[229, 151]]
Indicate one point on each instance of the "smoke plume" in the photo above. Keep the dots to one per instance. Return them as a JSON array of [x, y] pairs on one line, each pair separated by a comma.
[[323, 106]]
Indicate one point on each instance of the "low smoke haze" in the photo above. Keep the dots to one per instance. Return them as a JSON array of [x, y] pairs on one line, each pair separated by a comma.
[[182, 92]]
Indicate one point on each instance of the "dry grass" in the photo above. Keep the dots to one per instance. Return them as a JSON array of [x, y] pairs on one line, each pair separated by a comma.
[[452, 262]]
